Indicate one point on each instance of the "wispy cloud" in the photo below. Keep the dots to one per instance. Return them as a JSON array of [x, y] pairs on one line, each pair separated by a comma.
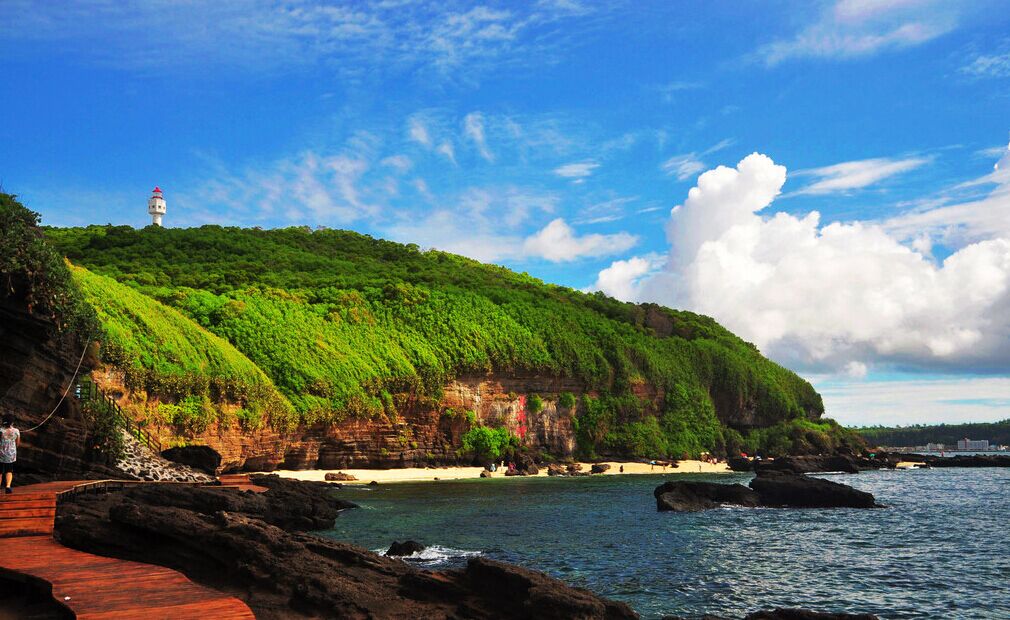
[[577, 170], [851, 28], [988, 66], [688, 165], [473, 127], [859, 174], [264, 35]]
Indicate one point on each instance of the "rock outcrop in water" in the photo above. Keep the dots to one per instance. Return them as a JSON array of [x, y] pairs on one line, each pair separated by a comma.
[[773, 489], [789, 614], [230, 540]]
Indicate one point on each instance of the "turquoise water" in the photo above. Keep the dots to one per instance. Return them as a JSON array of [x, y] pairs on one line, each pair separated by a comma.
[[939, 549]]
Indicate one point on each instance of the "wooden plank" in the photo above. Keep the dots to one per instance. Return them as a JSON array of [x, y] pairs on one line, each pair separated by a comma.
[[99, 588]]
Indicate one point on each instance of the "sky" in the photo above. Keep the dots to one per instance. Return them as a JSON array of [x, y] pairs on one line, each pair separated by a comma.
[[829, 180]]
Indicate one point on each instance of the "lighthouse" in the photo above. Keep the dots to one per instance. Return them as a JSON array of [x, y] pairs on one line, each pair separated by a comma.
[[156, 206]]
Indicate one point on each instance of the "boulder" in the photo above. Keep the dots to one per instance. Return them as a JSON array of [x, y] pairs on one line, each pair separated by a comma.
[[810, 464], [338, 477], [556, 470], [779, 488], [574, 467], [407, 547], [688, 496], [203, 458], [485, 473], [740, 463], [599, 468]]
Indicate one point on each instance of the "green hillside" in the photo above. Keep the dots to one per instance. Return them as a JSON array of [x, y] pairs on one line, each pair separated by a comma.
[[340, 323], [162, 351]]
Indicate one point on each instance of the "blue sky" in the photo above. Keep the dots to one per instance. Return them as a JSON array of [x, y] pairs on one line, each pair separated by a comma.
[[557, 137]]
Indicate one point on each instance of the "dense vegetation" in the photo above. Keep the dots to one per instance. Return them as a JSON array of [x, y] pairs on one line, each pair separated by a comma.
[[998, 433], [32, 271], [340, 323]]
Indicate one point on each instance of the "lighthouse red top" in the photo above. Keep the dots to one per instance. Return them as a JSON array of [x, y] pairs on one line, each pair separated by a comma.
[[157, 190]]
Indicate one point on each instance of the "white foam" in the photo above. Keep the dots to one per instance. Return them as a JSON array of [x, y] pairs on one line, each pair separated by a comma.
[[435, 554]]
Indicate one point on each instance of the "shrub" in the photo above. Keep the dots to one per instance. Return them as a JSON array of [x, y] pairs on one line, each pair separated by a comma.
[[488, 444]]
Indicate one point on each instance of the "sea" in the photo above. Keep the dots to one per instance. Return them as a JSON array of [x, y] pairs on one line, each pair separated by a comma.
[[939, 549]]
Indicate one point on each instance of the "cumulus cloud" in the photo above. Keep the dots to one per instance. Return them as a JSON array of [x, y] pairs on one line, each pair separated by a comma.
[[473, 127], [851, 28], [623, 278], [558, 242], [857, 174], [577, 170], [839, 297]]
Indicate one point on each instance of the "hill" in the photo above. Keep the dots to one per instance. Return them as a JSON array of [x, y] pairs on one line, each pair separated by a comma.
[[349, 330]]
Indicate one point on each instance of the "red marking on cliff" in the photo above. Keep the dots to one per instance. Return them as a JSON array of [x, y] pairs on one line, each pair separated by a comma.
[[521, 418]]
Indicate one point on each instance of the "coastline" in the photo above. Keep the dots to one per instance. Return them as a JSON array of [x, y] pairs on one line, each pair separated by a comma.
[[431, 474]]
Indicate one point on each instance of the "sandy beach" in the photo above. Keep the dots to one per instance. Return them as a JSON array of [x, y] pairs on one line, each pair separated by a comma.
[[419, 474]]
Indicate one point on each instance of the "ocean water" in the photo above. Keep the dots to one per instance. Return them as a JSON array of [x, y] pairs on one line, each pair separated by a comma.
[[939, 549]]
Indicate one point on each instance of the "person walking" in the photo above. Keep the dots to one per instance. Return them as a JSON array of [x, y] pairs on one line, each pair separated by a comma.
[[10, 439]]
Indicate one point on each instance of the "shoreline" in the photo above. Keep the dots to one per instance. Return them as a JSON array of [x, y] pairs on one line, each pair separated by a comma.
[[432, 474]]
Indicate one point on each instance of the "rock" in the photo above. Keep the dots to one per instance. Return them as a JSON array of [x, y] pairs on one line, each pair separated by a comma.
[[556, 470], [373, 483], [810, 464], [407, 547], [805, 614], [687, 496], [203, 458], [969, 460], [574, 467], [485, 474], [338, 477], [599, 468], [777, 488], [740, 463], [282, 574]]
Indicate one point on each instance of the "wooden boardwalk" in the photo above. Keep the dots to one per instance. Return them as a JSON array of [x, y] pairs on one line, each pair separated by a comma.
[[96, 587]]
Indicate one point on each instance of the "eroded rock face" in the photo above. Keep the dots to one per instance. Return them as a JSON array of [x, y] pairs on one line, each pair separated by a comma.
[[35, 368], [214, 537], [407, 547]]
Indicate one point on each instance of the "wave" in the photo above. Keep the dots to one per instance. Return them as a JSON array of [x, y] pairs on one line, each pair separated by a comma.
[[436, 555]]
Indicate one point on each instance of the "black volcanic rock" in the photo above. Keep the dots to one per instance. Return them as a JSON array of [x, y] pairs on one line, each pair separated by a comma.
[[810, 464], [777, 488], [407, 547], [599, 468], [283, 574], [970, 460], [204, 458], [740, 463], [685, 496]]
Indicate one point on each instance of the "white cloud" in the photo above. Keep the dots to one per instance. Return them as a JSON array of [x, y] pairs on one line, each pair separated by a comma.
[[577, 170], [558, 242], [417, 130], [683, 166], [308, 188], [473, 127], [988, 65], [857, 174], [400, 163], [923, 401], [440, 39], [623, 278], [446, 150], [851, 28], [835, 296]]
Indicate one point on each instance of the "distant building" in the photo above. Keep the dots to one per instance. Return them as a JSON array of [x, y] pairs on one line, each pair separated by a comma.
[[156, 206], [972, 444], [935, 447]]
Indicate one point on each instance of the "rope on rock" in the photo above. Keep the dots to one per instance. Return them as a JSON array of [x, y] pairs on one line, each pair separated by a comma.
[[66, 391]]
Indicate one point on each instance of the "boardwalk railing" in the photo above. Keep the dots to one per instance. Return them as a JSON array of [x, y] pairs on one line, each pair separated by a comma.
[[88, 392]]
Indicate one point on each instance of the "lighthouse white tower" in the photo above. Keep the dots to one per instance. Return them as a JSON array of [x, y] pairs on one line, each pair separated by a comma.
[[156, 206]]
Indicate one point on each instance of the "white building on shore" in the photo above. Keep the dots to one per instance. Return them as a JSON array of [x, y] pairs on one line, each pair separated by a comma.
[[980, 445], [156, 206]]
